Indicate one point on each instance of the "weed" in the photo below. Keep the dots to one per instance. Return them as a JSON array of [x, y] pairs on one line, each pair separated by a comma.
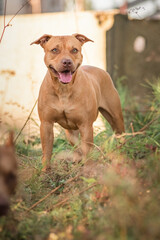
[[124, 202]]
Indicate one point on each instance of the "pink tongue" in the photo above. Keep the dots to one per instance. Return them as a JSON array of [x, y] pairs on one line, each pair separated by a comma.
[[65, 77]]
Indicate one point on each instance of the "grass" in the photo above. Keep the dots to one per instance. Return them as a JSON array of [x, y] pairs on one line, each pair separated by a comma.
[[115, 196]]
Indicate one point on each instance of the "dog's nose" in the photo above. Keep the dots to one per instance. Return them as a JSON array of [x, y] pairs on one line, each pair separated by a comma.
[[67, 62]]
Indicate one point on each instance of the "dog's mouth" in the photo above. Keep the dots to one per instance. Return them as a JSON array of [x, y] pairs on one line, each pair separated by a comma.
[[64, 76]]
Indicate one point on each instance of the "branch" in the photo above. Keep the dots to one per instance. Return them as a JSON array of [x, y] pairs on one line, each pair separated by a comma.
[[8, 24], [141, 131], [25, 122], [98, 148], [130, 134], [148, 124], [68, 198], [51, 192]]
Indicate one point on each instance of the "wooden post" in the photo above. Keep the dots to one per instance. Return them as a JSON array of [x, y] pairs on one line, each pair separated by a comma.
[[36, 6], [80, 5]]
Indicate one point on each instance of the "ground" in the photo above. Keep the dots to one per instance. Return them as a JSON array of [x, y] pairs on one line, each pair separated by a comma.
[[114, 194]]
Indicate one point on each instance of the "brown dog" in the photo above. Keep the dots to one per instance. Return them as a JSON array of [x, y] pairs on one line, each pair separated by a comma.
[[8, 179], [72, 95]]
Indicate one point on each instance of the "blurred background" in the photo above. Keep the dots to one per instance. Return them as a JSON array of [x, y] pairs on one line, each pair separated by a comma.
[[126, 44]]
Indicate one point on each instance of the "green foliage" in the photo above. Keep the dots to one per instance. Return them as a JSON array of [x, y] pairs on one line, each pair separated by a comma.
[[35, 227], [123, 205], [123, 91], [61, 144], [89, 181]]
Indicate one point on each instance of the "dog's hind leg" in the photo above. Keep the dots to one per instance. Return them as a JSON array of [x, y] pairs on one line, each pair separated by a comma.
[[110, 108], [72, 136], [115, 120]]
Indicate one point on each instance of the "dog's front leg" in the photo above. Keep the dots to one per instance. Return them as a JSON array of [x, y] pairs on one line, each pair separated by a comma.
[[46, 131], [86, 133]]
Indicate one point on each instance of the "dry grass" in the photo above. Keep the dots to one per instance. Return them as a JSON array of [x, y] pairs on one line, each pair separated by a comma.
[[113, 195]]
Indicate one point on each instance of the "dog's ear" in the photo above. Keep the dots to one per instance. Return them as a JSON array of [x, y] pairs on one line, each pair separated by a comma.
[[83, 39], [42, 40]]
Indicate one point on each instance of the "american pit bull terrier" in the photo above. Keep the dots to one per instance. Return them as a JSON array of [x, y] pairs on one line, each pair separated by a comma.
[[8, 174], [72, 95]]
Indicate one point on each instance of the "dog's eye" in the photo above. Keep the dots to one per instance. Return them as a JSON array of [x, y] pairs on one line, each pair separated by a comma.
[[74, 50], [55, 50]]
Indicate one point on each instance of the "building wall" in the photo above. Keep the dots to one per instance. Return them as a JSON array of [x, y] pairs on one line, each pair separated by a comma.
[[1, 7], [133, 51], [14, 6], [46, 6], [52, 5]]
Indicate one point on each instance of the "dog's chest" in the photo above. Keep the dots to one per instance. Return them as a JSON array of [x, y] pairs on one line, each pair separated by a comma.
[[65, 112]]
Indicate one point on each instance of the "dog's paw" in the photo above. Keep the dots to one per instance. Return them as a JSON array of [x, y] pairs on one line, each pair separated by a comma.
[[46, 169], [77, 156]]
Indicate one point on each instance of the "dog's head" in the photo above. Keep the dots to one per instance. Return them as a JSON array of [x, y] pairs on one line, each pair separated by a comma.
[[62, 54], [8, 178]]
